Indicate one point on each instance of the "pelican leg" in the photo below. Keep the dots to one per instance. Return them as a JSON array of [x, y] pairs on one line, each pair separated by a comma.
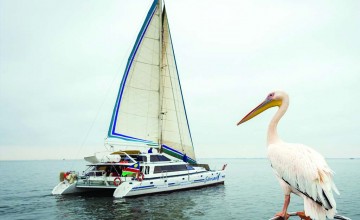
[[283, 214], [302, 215]]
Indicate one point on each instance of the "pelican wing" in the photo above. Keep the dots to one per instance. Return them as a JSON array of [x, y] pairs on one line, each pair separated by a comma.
[[305, 170]]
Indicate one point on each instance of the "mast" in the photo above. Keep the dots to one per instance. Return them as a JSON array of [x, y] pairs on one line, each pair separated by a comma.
[[160, 70]]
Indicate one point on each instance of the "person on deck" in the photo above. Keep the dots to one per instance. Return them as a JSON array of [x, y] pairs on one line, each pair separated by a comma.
[[185, 159], [150, 150]]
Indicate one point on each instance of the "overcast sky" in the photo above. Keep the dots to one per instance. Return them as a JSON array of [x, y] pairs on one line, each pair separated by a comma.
[[61, 63]]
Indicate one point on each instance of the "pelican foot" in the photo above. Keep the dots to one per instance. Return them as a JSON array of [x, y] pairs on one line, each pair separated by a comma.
[[303, 216], [283, 215]]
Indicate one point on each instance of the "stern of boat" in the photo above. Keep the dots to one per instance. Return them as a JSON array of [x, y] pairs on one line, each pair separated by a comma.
[[123, 189], [65, 188], [67, 184]]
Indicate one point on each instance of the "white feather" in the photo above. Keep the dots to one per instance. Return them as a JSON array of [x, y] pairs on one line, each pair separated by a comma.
[[304, 169]]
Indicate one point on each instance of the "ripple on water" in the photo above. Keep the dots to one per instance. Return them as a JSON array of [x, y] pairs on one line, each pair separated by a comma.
[[250, 192]]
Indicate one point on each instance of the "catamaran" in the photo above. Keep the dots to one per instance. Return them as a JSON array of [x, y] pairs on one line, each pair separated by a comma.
[[149, 120]]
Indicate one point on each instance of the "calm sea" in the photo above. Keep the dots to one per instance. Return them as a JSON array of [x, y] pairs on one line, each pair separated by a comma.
[[250, 192]]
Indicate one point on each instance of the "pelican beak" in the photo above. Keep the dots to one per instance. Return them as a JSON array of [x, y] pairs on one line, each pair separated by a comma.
[[268, 103]]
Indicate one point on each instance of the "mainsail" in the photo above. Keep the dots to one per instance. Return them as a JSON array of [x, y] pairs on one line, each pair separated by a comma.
[[150, 108], [136, 111]]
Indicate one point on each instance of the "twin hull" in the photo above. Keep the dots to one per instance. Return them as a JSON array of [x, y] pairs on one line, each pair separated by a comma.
[[132, 187]]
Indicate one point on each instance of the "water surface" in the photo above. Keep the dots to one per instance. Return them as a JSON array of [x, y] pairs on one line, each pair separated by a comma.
[[250, 192]]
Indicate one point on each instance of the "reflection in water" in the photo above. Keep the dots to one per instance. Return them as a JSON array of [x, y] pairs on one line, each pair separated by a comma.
[[176, 205]]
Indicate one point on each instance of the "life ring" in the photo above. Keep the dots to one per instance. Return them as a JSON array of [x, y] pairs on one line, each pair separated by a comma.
[[116, 182], [140, 176]]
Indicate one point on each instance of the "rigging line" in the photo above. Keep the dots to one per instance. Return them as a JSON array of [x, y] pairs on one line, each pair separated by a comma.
[[137, 61], [148, 47], [175, 101], [151, 38], [142, 116], [151, 90], [97, 113]]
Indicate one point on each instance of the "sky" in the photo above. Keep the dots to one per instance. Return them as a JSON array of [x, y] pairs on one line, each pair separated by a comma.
[[61, 64]]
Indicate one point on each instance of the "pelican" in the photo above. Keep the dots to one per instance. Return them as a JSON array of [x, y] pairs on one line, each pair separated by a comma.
[[299, 169]]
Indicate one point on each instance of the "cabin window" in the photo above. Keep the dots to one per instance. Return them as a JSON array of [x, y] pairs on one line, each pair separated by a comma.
[[163, 158], [170, 168], [141, 158], [156, 158], [189, 167], [158, 169]]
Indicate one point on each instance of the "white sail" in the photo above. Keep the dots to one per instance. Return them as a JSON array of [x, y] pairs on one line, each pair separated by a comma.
[[176, 137], [150, 107], [136, 111]]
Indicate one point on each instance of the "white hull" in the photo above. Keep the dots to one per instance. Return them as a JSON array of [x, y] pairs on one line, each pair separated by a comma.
[[177, 183], [147, 186]]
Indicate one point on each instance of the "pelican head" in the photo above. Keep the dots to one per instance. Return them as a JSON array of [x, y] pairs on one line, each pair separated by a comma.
[[273, 99]]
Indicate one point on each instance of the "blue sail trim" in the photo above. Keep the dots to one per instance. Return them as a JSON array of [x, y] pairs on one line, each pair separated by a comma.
[[180, 155], [111, 132], [133, 139], [177, 73]]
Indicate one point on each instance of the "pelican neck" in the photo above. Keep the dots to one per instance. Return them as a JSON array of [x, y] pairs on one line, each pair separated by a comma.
[[272, 130]]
